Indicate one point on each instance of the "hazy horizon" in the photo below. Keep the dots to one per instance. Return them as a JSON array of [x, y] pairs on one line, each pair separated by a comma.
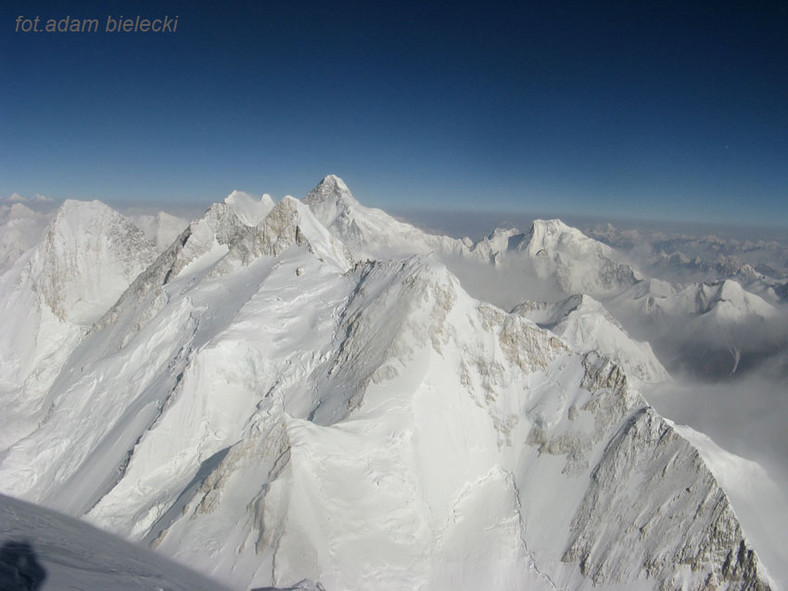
[[460, 223], [647, 111]]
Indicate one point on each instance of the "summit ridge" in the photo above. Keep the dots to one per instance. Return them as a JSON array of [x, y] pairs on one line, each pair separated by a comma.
[[304, 391]]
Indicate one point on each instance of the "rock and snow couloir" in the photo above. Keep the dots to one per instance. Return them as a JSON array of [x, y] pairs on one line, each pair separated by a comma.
[[370, 232], [87, 258], [262, 405], [587, 326]]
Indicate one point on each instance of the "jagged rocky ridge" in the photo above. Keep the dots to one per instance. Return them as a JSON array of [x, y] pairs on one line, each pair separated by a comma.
[[88, 256], [266, 407], [587, 326]]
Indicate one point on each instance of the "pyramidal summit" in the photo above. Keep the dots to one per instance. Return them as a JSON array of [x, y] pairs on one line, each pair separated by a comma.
[[302, 395]]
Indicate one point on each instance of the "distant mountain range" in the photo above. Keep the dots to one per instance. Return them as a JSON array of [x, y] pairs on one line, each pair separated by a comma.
[[303, 391]]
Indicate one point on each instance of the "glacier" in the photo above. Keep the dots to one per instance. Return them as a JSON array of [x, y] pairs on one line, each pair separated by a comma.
[[304, 391]]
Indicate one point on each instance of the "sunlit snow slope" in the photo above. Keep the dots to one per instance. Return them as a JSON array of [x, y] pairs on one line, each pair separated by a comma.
[[263, 406], [45, 551]]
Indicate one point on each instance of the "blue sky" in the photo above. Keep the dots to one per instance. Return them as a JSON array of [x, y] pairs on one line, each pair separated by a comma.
[[659, 110]]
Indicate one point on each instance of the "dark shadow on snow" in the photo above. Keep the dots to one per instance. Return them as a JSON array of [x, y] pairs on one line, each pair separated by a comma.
[[19, 568]]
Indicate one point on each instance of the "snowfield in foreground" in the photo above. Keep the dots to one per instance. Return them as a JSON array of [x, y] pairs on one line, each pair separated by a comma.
[[266, 404], [46, 551]]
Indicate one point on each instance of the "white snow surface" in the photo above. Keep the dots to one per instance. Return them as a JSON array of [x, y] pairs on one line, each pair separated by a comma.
[[251, 211], [47, 551], [87, 258], [161, 228], [554, 251], [265, 407], [21, 229], [369, 232], [721, 303], [586, 326]]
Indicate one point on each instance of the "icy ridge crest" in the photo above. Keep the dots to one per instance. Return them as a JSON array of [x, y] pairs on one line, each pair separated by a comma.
[[353, 422]]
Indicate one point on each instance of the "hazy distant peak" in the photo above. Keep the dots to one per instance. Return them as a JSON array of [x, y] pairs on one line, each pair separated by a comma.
[[71, 206], [249, 210], [541, 230], [78, 222], [551, 225], [501, 234], [89, 255], [35, 199], [330, 192], [731, 292], [20, 210], [333, 182], [492, 246], [545, 235]]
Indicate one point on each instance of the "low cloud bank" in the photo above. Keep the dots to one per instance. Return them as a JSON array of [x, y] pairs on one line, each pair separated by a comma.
[[505, 285]]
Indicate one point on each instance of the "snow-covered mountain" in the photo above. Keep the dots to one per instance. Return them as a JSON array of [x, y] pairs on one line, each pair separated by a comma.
[[587, 326], [723, 301], [21, 229], [266, 406], [249, 210], [552, 250], [43, 550], [709, 327], [87, 258], [679, 266], [713, 328], [161, 227], [368, 232]]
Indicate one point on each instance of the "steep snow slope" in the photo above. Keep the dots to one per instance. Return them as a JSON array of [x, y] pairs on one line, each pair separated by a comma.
[[552, 250], [89, 255], [161, 228], [757, 498], [586, 326], [249, 210], [21, 229], [255, 406], [371, 232], [140, 348], [46, 551], [709, 328], [258, 406]]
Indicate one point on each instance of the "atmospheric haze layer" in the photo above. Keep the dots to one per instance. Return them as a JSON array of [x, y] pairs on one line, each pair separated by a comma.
[[313, 394]]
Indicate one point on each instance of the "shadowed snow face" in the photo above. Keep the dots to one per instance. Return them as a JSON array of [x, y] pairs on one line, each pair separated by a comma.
[[272, 408]]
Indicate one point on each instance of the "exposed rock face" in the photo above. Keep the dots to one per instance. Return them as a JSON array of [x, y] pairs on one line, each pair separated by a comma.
[[551, 249], [258, 406], [370, 232], [682, 532], [587, 326], [88, 257]]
